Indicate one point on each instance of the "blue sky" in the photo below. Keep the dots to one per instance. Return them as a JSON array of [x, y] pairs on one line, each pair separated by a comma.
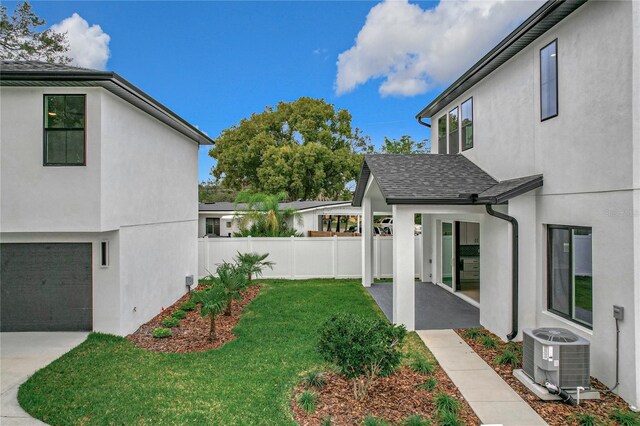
[[214, 63]]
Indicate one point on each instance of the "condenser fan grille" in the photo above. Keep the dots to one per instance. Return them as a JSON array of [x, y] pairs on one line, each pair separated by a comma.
[[555, 335]]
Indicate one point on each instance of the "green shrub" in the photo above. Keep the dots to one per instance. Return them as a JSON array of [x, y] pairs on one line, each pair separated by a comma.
[[625, 417], [585, 419], [473, 333], [161, 333], [488, 342], [307, 400], [447, 403], [513, 347], [508, 358], [429, 385], [314, 379], [179, 314], [373, 421], [171, 322], [422, 365], [447, 418], [363, 348], [189, 305], [212, 303], [326, 421], [416, 421]]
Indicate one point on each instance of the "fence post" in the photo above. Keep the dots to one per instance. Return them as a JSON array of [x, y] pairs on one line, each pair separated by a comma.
[[335, 256], [293, 257], [249, 244], [206, 254]]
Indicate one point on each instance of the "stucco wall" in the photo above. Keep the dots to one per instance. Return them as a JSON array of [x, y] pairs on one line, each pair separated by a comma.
[[37, 198], [154, 261]]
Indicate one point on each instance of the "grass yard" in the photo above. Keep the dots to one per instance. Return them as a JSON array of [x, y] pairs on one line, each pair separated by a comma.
[[584, 292], [106, 380]]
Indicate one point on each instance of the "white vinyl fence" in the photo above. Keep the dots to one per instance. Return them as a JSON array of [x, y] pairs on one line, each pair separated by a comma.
[[304, 257]]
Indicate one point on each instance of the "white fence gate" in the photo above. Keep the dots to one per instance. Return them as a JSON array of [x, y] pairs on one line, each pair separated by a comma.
[[304, 257]]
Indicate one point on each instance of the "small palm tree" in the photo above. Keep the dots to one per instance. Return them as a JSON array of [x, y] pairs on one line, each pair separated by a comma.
[[252, 264], [233, 280], [212, 301], [262, 215]]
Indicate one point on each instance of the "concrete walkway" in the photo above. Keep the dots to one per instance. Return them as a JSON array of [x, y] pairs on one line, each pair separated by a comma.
[[490, 397], [21, 355]]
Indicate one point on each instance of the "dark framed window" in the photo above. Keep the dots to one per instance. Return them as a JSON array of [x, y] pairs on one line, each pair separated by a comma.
[[104, 254], [64, 130], [466, 123], [569, 273], [549, 81], [454, 139], [442, 135]]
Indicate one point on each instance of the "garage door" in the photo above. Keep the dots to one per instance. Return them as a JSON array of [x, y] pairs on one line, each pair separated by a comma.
[[45, 287]]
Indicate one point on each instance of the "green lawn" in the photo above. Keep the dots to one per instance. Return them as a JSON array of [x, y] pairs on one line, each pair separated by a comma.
[[106, 380], [584, 292]]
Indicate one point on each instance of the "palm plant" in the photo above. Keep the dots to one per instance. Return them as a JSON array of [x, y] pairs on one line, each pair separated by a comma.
[[233, 280], [213, 302], [252, 264], [263, 217]]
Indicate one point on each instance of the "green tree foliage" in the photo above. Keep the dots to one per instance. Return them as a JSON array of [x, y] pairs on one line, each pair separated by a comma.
[[213, 192], [213, 302], [405, 145], [21, 39], [362, 348], [261, 216], [305, 148], [252, 264], [234, 280]]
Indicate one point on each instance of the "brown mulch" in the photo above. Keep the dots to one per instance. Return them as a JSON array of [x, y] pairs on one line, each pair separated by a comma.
[[392, 399], [193, 333], [555, 413]]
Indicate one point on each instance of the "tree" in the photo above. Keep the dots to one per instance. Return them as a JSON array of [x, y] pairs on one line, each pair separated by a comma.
[[263, 217], [252, 264], [405, 145], [212, 192], [233, 280], [213, 302], [20, 38], [305, 148]]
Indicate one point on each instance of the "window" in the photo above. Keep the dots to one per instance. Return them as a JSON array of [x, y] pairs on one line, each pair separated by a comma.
[[104, 254], [64, 130], [570, 286], [442, 135], [454, 143], [549, 81], [466, 116]]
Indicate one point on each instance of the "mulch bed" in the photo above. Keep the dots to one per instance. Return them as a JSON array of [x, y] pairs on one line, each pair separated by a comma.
[[193, 333], [555, 413], [392, 399]]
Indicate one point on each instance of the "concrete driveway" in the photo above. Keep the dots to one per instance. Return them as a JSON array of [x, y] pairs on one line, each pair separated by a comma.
[[21, 355]]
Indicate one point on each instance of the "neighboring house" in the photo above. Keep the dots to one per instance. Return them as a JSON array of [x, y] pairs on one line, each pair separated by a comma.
[[217, 219], [557, 100], [98, 194]]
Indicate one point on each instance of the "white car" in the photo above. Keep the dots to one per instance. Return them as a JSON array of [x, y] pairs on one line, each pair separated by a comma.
[[387, 225]]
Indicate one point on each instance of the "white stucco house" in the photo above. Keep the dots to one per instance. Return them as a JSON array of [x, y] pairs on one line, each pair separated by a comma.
[[217, 219], [531, 203], [98, 200]]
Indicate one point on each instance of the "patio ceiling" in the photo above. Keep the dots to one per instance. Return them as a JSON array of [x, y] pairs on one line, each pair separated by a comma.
[[436, 179]]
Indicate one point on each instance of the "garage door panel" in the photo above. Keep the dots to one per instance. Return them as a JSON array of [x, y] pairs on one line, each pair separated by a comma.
[[46, 287]]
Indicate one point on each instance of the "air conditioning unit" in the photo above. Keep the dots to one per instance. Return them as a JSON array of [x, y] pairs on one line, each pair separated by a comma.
[[556, 355]]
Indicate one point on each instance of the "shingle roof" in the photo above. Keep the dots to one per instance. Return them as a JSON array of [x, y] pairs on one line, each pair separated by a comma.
[[436, 179], [296, 205], [42, 74]]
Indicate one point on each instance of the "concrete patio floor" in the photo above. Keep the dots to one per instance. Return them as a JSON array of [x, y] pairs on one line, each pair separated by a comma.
[[21, 355], [436, 308]]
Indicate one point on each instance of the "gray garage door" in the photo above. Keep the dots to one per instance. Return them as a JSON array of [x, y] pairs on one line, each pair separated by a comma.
[[45, 287]]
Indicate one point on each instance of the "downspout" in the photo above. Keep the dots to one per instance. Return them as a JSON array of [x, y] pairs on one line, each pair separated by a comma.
[[514, 268], [423, 123]]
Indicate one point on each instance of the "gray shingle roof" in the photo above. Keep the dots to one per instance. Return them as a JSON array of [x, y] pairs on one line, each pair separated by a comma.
[[436, 179], [42, 74], [296, 205]]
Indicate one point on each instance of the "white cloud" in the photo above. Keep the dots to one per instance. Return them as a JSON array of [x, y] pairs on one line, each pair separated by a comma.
[[413, 49], [88, 45]]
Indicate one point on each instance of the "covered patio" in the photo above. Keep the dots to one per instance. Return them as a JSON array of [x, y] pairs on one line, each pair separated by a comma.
[[443, 189]]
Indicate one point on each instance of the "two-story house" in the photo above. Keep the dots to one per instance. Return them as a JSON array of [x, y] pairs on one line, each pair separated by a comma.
[[98, 200], [531, 204]]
